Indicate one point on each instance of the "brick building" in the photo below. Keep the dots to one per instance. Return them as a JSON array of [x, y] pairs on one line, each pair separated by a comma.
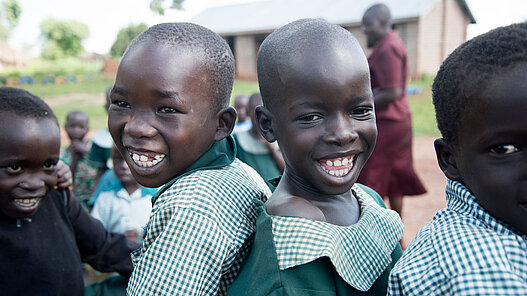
[[430, 29]]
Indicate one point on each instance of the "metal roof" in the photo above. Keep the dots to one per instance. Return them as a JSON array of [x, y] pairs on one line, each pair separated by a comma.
[[265, 16]]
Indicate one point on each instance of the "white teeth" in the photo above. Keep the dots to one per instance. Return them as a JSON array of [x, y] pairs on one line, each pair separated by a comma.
[[144, 161], [337, 163], [26, 202]]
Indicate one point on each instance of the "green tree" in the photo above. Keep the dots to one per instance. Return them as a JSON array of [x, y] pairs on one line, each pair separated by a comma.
[[63, 38], [9, 15], [124, 37], [158, 6]]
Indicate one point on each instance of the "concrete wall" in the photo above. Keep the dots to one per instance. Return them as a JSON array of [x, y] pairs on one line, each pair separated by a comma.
[[408, 32], [429, 41], [245, 48], [442, 30]]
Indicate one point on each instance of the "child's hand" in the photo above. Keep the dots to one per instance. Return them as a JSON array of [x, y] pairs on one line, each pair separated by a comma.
[[80, 147], [131, 235], [64, 176]]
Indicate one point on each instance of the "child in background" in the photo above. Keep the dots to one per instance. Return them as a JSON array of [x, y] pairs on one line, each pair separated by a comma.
[[171, 121], [76, 156], [320, 233], [255, 151], [44, 233], [240, 104], [478, 244], [101, 145], [124, 209]]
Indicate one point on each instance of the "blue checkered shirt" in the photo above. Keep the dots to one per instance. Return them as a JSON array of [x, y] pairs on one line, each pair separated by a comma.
[[462, 251], [198, 232]]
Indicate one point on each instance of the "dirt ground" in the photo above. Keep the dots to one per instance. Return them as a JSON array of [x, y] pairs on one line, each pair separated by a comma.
[[419, 210]]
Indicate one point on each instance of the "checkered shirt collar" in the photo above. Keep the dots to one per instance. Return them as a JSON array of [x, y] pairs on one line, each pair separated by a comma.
[[360, 252], [461, 200]]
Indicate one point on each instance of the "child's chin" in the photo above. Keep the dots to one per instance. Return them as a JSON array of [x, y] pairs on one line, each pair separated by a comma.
[[22, 210]]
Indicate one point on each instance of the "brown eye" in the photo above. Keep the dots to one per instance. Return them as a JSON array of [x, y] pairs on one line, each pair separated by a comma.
[[50, 165], [14, 168], [504, 149], [167, 110], [308, 118]]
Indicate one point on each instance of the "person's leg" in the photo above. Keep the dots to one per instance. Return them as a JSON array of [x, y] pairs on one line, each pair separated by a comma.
[[396, 204]]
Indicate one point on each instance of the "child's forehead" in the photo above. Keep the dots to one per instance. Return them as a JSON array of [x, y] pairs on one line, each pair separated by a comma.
[[78, 118], [18, 130]]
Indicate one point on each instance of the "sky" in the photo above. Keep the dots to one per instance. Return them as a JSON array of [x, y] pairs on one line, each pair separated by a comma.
[[106, 17]]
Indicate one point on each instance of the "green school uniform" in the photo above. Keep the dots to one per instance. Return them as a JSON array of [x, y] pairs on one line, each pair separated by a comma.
[[256, 155], [200, 227], [299, 256]]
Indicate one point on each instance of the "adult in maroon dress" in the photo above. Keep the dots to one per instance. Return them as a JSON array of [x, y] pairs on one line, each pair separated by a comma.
[[390, 169]]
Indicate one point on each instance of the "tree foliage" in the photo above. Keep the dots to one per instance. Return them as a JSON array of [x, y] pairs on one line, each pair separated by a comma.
[[124, 37], [63, 38], [9, 16], [159, 6]]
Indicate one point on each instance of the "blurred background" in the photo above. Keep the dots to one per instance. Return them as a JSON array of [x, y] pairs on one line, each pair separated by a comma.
[[67, 52]]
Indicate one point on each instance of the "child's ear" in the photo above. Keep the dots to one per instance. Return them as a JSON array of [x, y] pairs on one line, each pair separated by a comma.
[[264, 120], [226, 118], [446, 159]]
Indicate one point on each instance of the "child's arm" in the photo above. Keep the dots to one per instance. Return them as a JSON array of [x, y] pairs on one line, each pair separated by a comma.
[[103, 250], [186, 255]]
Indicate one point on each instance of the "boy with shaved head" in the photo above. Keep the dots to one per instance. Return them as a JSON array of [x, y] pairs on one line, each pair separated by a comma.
[[390, 168], [320, 233]]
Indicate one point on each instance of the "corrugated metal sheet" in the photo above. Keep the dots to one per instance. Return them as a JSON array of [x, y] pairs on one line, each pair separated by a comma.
[[266, 16]]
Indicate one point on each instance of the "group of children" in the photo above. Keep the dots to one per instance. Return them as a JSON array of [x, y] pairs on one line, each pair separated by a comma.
[[215, 228]]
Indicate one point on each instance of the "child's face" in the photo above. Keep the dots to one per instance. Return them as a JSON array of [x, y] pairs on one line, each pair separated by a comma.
[[161, 116], [77, 126], [29, 152], [121, 169], [240, 104], [325, 124], [492, 153]]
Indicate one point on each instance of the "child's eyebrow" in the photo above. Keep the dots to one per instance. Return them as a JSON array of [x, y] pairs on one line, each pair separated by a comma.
[[304, 105], [119, 90], [168, 94]]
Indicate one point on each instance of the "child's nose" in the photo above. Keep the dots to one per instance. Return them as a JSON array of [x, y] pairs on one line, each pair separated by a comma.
[[341, 132], [139, 127], [33, 182]]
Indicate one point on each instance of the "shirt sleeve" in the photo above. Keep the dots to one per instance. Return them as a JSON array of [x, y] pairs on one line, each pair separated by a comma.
[[487, 282], [389, 69], [98, 156], [182, 254], [103, 250]]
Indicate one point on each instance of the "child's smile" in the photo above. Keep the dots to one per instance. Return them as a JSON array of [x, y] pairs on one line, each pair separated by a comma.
[[145, 159], [29, 152], [161, 117], [338, 167], [325, 124]]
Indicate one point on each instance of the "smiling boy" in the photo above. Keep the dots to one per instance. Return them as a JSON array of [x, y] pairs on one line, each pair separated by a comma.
[[320, 233], [44, 233], [171, 122], [478, 244]]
